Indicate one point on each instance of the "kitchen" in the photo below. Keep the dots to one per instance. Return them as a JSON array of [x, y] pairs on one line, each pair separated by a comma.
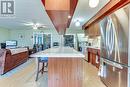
[[76, 53]]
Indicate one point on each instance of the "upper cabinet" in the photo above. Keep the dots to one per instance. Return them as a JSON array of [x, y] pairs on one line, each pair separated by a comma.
[[93, 30], [97, 29], [109, 8]]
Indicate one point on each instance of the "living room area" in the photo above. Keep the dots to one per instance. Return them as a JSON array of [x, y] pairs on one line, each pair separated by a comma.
[[22, 71], [44, 40]]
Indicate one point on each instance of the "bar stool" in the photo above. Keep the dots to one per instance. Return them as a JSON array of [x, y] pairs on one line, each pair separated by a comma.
[[42, 60]]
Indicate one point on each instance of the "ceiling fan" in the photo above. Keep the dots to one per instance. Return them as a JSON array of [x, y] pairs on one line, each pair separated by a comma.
[[35, 25]]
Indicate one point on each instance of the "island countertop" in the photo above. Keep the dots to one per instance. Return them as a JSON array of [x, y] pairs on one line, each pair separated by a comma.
[[59, 52]]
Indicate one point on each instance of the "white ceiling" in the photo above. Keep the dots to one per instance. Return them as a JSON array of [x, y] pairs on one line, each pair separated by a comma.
[[33, 11], [83, 12]]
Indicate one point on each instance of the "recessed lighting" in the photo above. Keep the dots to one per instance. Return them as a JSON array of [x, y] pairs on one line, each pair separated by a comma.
[[69, 16], [77, 23], [93, 3]]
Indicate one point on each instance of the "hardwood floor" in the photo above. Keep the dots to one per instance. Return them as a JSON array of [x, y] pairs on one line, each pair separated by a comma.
[[25, 77], [71, 72], [90, 76]]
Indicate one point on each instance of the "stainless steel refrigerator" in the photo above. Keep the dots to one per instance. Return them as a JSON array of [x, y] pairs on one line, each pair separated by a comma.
[[115, 49]]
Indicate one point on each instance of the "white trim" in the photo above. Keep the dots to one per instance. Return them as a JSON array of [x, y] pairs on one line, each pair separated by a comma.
[[41, 34], [51, 38]]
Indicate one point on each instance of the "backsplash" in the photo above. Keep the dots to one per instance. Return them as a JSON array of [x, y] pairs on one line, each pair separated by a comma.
[[95, 42]]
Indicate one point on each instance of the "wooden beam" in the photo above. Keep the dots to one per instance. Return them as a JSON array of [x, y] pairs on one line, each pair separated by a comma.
[[57, 5], [73, 4], [109, 8], [58, 11]]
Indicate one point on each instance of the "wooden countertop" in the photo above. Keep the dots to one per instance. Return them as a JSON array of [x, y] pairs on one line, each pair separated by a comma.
[[59, 52]]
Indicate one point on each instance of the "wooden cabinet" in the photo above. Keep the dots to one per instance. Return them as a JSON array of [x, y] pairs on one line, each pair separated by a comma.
[[93, 31], [96, 29], [94, 57], [86, 32]]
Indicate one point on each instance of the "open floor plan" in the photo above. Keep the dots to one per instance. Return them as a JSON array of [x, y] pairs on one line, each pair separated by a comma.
[[64, 43]]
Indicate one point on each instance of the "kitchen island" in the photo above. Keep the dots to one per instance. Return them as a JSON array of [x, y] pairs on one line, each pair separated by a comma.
[[65, 66]]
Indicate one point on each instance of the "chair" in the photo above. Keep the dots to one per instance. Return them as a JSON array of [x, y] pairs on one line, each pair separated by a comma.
[[42, 60]]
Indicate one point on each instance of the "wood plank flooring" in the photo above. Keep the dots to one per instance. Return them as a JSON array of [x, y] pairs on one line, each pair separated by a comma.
[[26, 77], [90, 76]]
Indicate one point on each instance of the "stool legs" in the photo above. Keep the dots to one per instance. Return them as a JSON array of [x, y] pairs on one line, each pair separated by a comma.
[[37, 72], [47, 64], [42, 70], [38, 66]]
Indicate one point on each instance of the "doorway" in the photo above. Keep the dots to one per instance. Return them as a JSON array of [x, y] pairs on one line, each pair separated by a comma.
[[42, 41]]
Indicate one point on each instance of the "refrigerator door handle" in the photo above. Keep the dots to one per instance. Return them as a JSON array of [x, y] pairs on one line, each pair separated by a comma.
[[114, 64]]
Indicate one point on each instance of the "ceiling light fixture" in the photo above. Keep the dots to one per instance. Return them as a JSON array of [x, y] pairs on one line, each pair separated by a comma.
[[69, 17], [77, 23], [93, 3]]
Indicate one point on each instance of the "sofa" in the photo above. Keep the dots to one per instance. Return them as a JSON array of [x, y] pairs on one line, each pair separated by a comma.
[[11, 58]]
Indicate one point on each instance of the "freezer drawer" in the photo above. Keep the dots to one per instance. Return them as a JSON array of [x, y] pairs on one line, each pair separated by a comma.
[[114, 75]]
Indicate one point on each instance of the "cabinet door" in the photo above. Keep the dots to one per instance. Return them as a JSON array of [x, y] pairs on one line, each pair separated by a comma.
[[91, 31], [97, 29], [94, 30], [93, 59], [86, 32]]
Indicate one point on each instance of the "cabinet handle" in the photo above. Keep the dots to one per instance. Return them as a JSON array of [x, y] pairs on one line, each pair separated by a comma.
[[114, 64]]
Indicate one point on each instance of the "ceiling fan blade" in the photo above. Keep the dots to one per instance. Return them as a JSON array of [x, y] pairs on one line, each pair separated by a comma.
[[44, 26], [28, 24]]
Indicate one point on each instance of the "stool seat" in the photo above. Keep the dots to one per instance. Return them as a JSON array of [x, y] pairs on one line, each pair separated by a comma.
[[43, 59]]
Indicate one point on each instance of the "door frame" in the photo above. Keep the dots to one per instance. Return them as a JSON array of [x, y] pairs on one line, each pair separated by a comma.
[[42, 34], [51, 37]]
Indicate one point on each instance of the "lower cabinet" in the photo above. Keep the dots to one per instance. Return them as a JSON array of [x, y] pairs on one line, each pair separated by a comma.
[[94, 57]]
